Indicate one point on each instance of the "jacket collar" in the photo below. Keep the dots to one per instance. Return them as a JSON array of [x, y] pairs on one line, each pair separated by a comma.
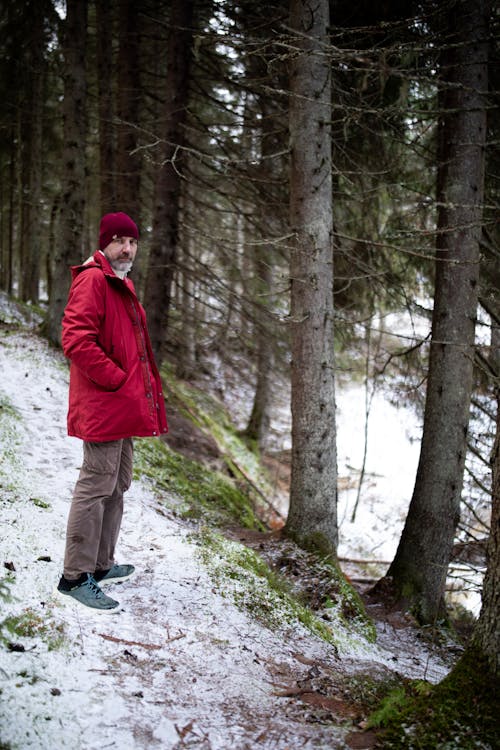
[[98, 260], [101, 260]]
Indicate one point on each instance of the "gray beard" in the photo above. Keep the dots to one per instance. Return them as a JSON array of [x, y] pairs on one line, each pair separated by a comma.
[[121, 267]]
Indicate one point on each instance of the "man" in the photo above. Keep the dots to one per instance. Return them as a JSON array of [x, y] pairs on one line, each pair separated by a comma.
[[115, 394]]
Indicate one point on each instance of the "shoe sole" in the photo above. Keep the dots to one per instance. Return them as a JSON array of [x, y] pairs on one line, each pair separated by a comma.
[[75, 603], [107, 581]]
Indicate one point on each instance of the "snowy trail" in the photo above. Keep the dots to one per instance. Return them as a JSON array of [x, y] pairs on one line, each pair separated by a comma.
[[181, 666]]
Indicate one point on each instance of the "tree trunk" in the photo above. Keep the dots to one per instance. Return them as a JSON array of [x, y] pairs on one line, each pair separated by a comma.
[[486, 635], [129, 103], [163, 249], [258, 423], [107, 177], [419, 568], [487, 631], [128, 163], [31, 158], [7, 264], [312, 519], [69, 248], [187, 365]]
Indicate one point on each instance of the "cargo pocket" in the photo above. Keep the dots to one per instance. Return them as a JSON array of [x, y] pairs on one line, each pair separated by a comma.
[[102, 458], [126, 463]]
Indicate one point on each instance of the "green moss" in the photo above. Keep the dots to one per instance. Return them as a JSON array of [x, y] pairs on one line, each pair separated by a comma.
[[390, 707], [6, 409], [319, 583], [460, 713], [211, 416], [18, 314], [317, 543], [31, 624], [368, 691], [254, 586], [9, 454], [5, 584], [190, 489], [338, 594], [40, 503], [351, 605]]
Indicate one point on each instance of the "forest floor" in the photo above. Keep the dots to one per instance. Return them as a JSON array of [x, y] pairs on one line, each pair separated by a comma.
[[181, 666]]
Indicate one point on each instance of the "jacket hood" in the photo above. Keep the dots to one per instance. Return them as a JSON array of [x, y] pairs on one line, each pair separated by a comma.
[[97, 260]]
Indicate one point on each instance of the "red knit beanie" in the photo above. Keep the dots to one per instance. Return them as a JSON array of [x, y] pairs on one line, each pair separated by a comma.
[[116, 225]]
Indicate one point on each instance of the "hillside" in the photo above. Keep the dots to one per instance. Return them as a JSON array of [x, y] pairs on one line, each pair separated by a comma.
[[213, 649]]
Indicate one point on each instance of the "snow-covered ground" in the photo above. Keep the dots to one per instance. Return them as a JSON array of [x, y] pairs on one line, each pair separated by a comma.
[[393, 446], [181, 666]]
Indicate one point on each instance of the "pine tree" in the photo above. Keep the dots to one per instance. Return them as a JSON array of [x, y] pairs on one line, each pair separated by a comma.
[[70, 247], [312, 518], [418, 571]]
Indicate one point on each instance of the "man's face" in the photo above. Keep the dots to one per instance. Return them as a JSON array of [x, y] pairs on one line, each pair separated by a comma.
[[121, 253]]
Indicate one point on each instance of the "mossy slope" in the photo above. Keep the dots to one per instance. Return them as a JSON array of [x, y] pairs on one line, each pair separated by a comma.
[[460, 713], [218, 501], [191, 490], [242, 574]]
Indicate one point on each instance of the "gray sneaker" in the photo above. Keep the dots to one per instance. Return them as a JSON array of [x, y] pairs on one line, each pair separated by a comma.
[[86, 593], [116, 574]]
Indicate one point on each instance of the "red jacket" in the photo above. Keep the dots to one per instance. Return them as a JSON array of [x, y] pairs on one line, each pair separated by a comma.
[[115, 388]]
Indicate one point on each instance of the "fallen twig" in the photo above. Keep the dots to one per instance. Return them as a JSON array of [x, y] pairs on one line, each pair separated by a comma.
[[175, 637], [150, 646]]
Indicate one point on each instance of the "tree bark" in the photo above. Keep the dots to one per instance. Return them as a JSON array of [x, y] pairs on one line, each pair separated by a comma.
[[419, 568], [486, 635], [163, 249], [128, 162], [187, 365], [130, 97], [7, 265], [312, 518], [107, 176], [259, 420], [31, 156], [69, 248], [487, 631]]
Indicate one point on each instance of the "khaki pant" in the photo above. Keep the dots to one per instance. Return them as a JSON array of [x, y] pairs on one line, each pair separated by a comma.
[[97, 507]]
